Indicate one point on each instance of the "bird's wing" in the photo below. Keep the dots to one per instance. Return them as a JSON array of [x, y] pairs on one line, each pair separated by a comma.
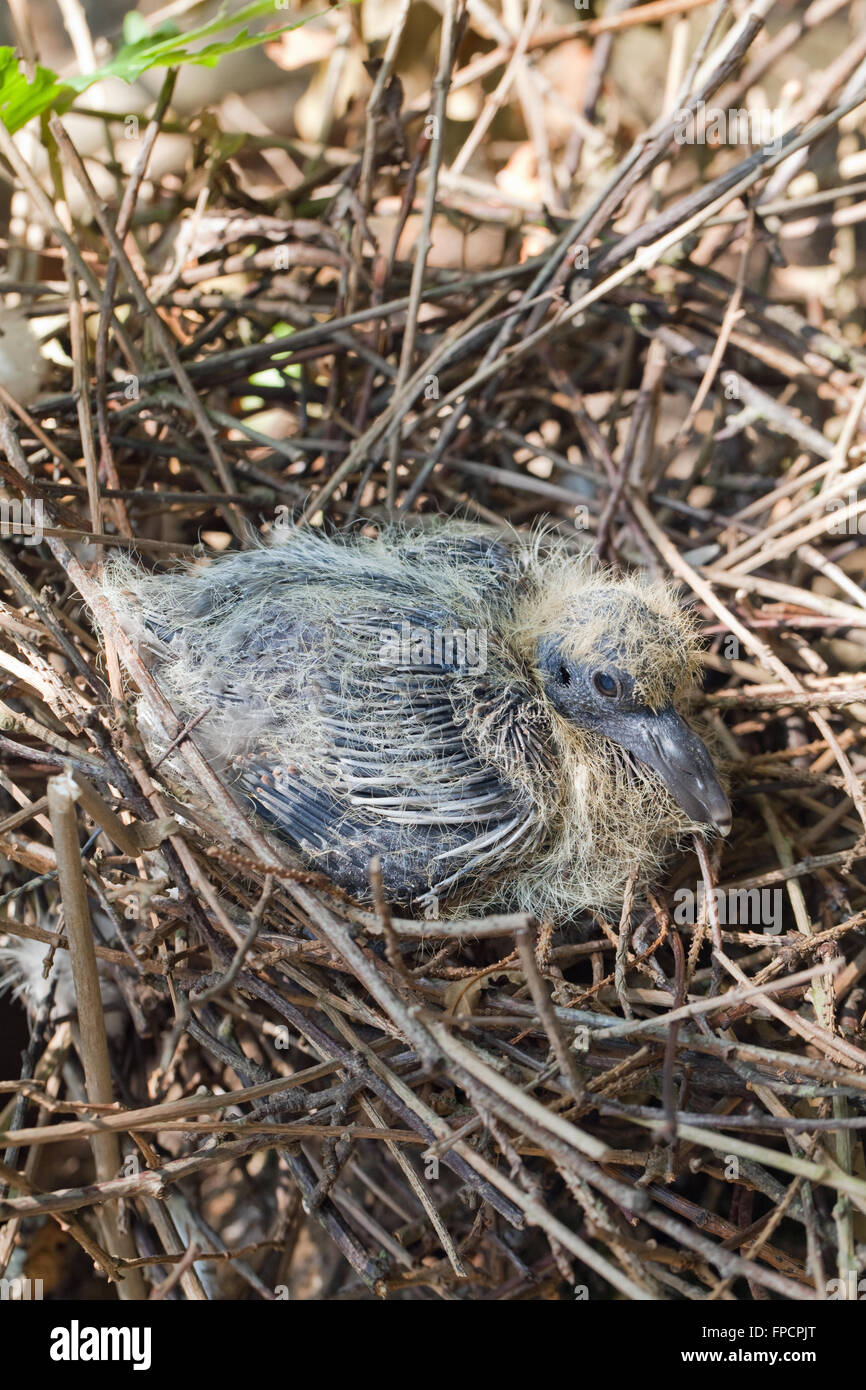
[[405, 768], [418, 754]]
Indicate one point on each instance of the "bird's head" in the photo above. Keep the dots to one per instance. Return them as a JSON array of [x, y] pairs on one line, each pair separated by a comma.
[[613, 658]]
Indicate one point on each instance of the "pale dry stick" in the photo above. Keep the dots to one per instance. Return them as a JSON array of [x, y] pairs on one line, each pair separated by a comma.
[[173, 1245], [643, 259], [850, 481], [627, 1198], [826, 1174], [531, 102], [782, 546], [767, 500], [785, 855], [12, 721], [769, 698], [833, 572], [147, 1183], [75, 23], [834, 1046], [344, 33], [30, 809], [151, 1117], [622, 943], [758, 403], [25, 673], [46, 209], [786, 593], [184, 1272], [424, 241], [649, 194], [731, 315], [415, 1183], [721, 10], [398, 24], [471, 928], [541, 998], [124, 221], [24, 35], [847, 68], [164, 340], [39, 433], [62, 795], [29, 932], [776, 1216], [750, 639], [80, 384], [847, 1262], [101, 1259], [776, 46], [399, 402], [679, 34], [697, 1007], [495, 99]]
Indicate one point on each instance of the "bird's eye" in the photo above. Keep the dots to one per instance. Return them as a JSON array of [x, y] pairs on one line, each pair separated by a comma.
[[564, 675], [606, 685]]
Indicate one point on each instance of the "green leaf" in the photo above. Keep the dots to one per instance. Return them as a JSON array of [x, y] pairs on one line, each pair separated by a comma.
[[164, 47], [167, 48], [135, 27], [21, 100]]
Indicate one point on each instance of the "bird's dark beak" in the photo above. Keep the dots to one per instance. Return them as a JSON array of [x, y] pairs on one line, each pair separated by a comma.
[[665, 743]]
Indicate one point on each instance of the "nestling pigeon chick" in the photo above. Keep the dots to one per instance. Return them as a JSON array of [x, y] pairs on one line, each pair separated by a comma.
[[495, 719]]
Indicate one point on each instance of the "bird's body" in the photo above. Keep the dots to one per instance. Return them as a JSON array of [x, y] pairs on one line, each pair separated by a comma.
[[411, 697]]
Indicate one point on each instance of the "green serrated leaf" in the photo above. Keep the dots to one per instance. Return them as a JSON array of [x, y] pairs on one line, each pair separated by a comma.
[[165, 47], [135, 27], [21, 100]]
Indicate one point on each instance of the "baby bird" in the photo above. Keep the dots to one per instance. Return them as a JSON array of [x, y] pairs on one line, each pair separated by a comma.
[[494, 718]]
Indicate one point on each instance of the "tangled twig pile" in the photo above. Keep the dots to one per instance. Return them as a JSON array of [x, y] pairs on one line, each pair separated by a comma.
[[297, 1093]]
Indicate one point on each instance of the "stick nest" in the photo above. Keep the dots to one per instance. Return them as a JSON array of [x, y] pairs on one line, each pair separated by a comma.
[[312, 1098]]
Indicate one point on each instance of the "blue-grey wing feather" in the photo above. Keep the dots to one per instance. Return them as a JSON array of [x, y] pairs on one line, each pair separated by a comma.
[[399, 774]]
